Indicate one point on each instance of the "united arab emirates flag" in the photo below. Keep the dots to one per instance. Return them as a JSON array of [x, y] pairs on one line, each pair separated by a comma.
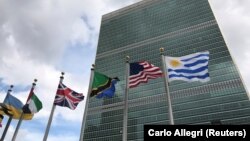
[[33, 105], [103, 86]]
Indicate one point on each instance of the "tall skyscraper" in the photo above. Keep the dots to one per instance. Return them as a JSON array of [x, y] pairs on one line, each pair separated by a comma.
[[182, 27]]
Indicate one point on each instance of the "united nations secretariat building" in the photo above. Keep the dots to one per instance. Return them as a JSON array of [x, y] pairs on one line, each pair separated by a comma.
[[181, 27]]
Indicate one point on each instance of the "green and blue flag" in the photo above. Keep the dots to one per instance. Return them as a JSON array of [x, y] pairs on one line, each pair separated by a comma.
[[103, 86]]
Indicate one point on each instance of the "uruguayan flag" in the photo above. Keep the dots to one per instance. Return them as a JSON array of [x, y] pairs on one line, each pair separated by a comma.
[[193, 67]]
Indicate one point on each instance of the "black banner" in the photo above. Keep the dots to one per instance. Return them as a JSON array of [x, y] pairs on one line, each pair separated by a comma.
[[196, 132]]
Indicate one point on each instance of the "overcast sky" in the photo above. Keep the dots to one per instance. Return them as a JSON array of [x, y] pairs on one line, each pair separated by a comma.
[[39, 39]]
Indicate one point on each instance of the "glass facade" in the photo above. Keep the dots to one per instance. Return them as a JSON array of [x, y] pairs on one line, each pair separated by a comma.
[[182, 27]]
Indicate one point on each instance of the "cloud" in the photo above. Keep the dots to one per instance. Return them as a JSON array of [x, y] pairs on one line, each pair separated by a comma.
[[35, 36], [41, 30], [233, 18]]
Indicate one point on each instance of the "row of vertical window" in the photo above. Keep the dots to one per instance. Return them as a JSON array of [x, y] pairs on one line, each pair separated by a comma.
[[135, 111], [219, 101], [153, 119], [107, 46], [137, 127], [213, 108], [202, 39], [186, 36], [109, 38], [215, 116]]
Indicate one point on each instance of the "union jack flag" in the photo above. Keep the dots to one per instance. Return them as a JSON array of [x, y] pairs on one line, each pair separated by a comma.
[[140, 72], [66, 97]]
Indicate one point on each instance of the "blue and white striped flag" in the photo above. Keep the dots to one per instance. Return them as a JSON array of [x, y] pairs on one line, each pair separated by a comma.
[[193, 67]]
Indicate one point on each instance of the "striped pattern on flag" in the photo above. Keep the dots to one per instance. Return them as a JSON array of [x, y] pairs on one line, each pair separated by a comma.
[[141, 72], [190, 68]]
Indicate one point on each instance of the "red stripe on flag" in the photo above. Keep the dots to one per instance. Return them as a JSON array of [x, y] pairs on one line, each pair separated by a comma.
[[149, 72]]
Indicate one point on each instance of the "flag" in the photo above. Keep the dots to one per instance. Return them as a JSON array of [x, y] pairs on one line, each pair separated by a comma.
[[1, 119], [103, 86], [4, 110], [193, 67], [33, 104], [140, 72], [66, 97], [13, 107]]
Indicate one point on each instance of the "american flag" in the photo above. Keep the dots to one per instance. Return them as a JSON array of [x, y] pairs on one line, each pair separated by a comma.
[[140, 72], [66, 97]]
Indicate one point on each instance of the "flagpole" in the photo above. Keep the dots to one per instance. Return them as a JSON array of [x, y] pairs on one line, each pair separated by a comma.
[[6, 128], [22, 114], [125, 114], [51, 114], [170, 111], [9, 120], [87, 102]]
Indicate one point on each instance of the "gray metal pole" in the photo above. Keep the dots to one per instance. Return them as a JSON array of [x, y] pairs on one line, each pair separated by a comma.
[[21, 117], [49, 122], [9, 120], [125, 114], [87, 102], [170, 111], [6, 128], [51, 115], [17, 127]]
